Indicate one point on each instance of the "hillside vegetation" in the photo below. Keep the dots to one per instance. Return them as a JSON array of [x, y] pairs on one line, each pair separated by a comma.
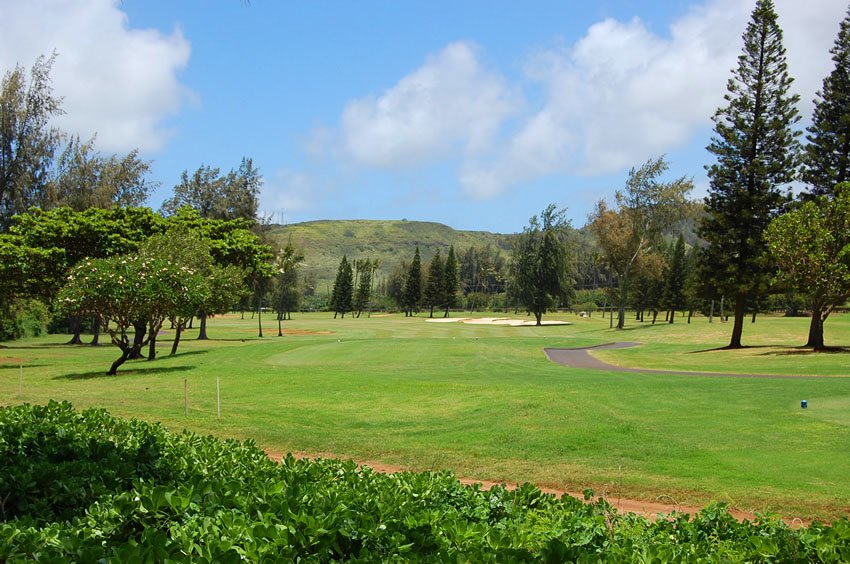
[[325, 242]]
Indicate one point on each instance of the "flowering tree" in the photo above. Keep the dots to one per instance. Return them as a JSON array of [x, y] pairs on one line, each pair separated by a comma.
[[120, 291]]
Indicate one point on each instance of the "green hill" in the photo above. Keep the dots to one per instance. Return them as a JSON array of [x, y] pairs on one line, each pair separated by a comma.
[[324, 242]]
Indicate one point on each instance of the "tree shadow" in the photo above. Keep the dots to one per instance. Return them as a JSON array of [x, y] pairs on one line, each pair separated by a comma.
[[642, 326], [130, 372], [25, 364], [806, 351], [728, 348], [163, 356]]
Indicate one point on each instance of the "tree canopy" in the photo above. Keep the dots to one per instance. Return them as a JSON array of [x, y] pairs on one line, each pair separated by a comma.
[[123, 290], [541, 267], [645, 209], [811, 246]]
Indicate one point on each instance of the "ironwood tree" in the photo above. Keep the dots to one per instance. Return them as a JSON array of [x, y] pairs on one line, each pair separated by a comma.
[[366, 276], [287, 287], [633, 230], [83, 178], [541, 269], [215, 196], [28, 141]]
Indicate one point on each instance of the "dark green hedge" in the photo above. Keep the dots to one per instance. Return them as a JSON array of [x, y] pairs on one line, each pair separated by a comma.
[[83, 486]]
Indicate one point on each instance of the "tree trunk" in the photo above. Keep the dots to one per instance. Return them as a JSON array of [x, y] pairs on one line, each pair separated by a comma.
[[672, 316], [722, 309], [95, 340], [141, 329], [816, 330], [754, 316], [711, 313], [690, 314], [654, 315], [125, 354], [202, 333], [738, 328], [152, 347], [431, 313], [279, 326], [177, 332], [76, 329], [621, 318], [260, 319], [538, 315]]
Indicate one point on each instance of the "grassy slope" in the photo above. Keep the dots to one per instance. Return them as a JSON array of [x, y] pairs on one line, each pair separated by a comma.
[[485, 402], [324, 242]]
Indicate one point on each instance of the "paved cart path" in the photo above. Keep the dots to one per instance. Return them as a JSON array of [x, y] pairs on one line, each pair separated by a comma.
[[581, 358]]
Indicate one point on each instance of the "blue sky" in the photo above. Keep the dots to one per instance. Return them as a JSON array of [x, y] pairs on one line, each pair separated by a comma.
[[474, 114]]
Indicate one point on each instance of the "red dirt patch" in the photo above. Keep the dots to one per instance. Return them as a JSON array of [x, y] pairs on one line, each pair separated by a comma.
[[647, 509], [12, 360]]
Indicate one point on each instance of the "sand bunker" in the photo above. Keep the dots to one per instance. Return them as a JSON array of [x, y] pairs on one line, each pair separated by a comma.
[[507, 321]]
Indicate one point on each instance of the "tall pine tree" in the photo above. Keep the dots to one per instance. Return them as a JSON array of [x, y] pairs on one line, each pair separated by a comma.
[[451, 281], [343, 288], [413, 285], [434, 293], [757, 152], [828, 151]]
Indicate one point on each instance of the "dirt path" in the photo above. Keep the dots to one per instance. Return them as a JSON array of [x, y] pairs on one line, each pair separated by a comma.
[[581, 358], [648, 509]]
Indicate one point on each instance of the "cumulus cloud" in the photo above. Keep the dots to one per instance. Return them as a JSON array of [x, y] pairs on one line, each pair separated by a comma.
[[451, 103], [623, 93], [116, 81]]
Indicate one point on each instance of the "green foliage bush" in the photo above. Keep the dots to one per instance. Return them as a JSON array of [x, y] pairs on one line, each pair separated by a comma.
[[86, 487], [23, 318]]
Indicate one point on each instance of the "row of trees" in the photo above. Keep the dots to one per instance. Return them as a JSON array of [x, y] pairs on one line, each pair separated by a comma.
[[409, 286], [352, 291]]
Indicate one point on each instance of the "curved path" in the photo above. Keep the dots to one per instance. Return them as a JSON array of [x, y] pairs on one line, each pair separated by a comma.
[[580, 358]]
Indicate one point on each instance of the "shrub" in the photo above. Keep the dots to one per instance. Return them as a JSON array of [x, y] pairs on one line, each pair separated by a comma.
[[23, 318], [86, 487]]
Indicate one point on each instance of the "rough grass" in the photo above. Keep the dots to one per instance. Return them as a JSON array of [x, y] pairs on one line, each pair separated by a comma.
[[485, 402]]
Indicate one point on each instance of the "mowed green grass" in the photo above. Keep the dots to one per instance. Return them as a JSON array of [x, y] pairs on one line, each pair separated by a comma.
[[485, 402]]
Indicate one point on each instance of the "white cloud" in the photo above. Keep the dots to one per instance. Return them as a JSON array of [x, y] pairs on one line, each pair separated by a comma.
[[286, 192], [116, 81], [448, 104], [623, 94]]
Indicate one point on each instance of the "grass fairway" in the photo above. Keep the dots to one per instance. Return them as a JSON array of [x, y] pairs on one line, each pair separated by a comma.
[[485, 402]]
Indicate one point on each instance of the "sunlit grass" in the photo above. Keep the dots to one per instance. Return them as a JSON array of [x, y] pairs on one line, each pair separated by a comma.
[[484, 401]]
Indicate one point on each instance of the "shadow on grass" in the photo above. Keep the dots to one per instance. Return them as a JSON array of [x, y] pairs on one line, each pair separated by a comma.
[[728, 348], [805, 351], [129, 372], [164, 356], [17, 365], [641, 325]]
